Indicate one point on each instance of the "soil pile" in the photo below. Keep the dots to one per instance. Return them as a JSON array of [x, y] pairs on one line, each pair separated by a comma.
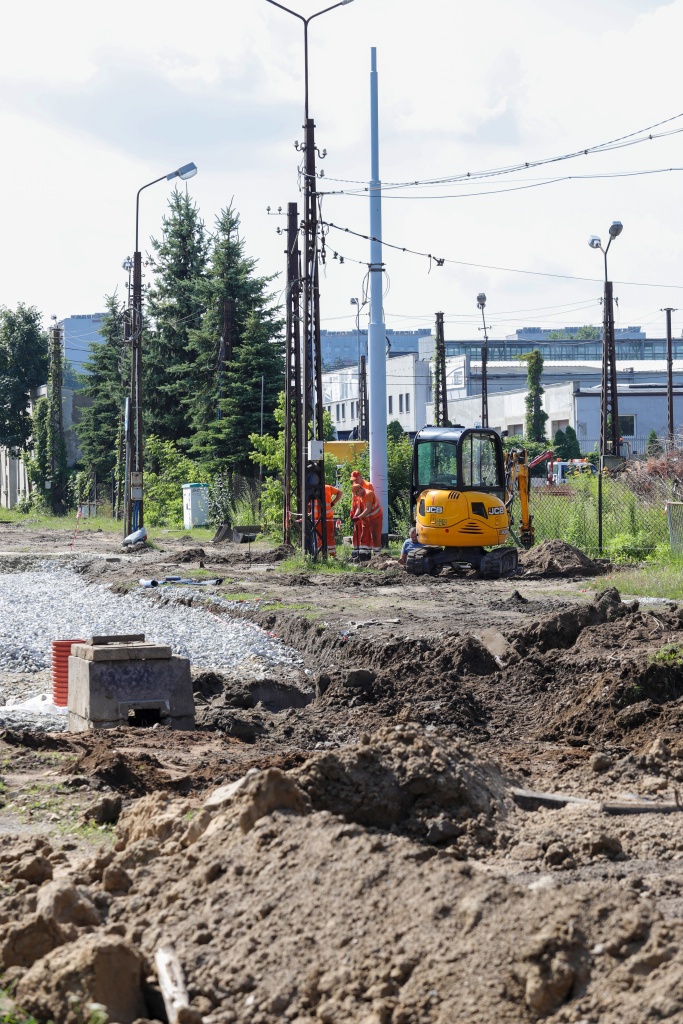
[[404, 780], [281, 911], [557, 558]]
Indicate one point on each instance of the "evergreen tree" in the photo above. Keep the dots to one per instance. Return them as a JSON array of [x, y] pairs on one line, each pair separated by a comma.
[[653, 446], [223, 444], [560, 446], [536, 416], [238, 341], [573, 446], [174, 307], [106, 370], [23, 366]]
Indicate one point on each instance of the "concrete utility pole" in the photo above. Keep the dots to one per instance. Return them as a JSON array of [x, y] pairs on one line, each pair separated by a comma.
[[669, 375], [377, 329], [57, 425]]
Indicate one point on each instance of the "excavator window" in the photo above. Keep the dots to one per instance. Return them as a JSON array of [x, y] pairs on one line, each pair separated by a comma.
[[437, 464], [480, 466]]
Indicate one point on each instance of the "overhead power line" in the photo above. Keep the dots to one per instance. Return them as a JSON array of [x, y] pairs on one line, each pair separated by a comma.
[[441, 260], [621, 142]]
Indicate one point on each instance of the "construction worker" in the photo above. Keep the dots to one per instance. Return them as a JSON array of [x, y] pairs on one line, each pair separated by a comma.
[[366, 513], [358, 481], [332, 496]]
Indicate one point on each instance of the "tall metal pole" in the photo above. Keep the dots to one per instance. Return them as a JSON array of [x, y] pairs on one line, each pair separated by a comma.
[[377, 329], [669, 376]]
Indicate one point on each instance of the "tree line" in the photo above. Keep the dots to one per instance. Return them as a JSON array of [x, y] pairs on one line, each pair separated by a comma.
[[212, 347]]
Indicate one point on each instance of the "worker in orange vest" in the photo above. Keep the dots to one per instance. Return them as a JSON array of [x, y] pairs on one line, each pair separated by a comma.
[[332, 496], [366, 513]]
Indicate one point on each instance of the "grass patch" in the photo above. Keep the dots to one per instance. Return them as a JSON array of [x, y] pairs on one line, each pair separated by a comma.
[[49, 521], [659, 576], [670, 655]]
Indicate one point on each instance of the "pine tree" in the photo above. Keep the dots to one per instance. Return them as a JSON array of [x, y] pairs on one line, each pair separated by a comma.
[[106, 372], [560, 446], [23, 366], [573, 446], [238, 341], [174, 309], [223, 444]]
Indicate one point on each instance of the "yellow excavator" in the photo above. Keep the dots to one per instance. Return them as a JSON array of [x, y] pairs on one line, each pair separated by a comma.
[[462, 489]]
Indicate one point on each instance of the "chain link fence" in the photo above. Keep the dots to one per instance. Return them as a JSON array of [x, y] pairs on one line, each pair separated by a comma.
[[634, 513]]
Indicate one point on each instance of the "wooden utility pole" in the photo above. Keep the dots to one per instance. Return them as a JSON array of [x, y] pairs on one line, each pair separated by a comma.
[[440, 392], [669, 376]]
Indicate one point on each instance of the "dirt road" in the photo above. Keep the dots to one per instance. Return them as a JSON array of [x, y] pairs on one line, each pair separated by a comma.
[[377, 861]]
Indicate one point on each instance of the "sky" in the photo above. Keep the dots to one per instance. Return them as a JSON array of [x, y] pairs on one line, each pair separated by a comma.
[[96, 100]]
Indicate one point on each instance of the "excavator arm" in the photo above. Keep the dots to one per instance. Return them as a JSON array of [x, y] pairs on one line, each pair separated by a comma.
[[518, 481]]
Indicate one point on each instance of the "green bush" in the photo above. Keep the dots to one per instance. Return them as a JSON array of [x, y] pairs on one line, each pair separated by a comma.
[[629, 547], [167, 470]]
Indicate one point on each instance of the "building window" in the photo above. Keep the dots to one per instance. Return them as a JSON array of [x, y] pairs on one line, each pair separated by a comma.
[[353, 409], [391, 405], [556, 425], [627, 426], [343, 410], [407, 403], [337, 417], [400, 403], [516, 430]]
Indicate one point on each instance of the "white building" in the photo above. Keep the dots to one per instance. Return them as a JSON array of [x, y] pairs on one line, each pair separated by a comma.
[[642, 408], [408, 392], [14, 485]]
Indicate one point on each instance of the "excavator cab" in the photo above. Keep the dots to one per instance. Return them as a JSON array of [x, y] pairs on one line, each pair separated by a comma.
[[461, 502]]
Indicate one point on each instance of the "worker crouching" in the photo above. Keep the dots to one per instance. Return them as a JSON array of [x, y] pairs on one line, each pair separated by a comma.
[[366, 516]]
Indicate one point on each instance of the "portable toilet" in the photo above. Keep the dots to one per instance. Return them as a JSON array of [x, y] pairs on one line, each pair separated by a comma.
[[195, 505]]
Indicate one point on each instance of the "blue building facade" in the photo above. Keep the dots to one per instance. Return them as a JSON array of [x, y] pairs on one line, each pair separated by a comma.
[[342, 348], [78, 332]]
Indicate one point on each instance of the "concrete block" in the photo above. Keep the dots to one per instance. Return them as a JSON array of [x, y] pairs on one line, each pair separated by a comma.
[[107, 694]]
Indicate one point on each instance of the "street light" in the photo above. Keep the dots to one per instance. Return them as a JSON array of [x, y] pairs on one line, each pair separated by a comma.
[[481, 303], [609, 413], [311, 411], [133, 518], [342, 3]]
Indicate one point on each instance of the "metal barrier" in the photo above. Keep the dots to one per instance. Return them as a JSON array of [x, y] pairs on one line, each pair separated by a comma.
[[674, 515]]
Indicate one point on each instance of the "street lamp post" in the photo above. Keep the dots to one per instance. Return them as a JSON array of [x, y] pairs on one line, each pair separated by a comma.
[[481, 302], [609, 412], [134, 518], [312, 483], [609, 406]]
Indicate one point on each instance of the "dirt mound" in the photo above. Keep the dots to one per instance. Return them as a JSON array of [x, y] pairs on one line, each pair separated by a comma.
[[279, 910], [137, 774], [404, 780], [557, 558]]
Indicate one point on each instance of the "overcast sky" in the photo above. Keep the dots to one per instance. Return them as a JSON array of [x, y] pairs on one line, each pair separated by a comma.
[[96, 100]]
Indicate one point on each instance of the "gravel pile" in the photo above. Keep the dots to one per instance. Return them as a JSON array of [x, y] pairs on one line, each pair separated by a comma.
[[51, 604]]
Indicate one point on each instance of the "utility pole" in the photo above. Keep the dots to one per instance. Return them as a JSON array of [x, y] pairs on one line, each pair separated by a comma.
[[313, 522], [481, 303], [363, 400], [609, 412], [56, 422], [440, 391], [669, 376], [293, 392], [377, 329]]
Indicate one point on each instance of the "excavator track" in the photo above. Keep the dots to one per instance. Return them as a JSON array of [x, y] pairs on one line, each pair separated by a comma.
[[498, 563]]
